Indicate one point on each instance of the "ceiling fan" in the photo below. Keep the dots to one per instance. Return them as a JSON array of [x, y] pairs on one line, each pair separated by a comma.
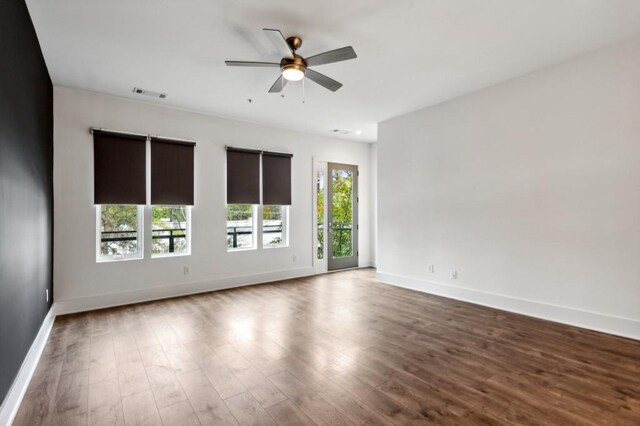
[[294, 67]]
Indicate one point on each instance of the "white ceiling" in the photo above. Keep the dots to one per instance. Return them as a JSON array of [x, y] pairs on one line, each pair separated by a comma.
[[411, 53]]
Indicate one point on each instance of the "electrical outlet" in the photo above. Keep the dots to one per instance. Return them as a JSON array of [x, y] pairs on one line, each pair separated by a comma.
[[295, 258], [431, 268], [186, 270], [454, 274], [46, 294]]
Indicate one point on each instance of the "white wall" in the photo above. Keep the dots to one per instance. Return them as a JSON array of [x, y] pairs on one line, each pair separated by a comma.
[[81, 283], [374, 205], [529, 189]]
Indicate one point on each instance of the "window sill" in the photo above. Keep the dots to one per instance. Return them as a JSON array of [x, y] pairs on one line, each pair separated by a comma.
[[274, 247], [123, 259], [169, 255], [239, 250]]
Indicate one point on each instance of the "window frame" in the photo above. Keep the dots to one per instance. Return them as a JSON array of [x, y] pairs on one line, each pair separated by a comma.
[[187, 232], [100, 258], [255, 214], [285, 227]]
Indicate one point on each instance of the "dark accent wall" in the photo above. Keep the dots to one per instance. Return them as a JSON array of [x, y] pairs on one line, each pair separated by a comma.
[[26, 188]]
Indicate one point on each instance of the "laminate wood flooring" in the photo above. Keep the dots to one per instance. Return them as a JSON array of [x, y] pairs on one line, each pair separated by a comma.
[[336, 349]]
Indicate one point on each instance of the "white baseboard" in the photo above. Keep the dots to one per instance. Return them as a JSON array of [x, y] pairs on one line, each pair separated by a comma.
[[11, 403], [624, 327], [90, 303]]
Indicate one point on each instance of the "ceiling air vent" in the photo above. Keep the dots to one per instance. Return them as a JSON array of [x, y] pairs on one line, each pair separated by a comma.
[[340, 131], [151, 93]]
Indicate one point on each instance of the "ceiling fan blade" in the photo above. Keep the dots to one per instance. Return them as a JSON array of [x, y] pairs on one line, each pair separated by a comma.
[[337, 55], [251, 64], [323, 80], [278, 85], [279, 42]]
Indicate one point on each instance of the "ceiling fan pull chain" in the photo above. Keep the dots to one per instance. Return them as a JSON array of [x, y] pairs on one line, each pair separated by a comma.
[[303, 89]]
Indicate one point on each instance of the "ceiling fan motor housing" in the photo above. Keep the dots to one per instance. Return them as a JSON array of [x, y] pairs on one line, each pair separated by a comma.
[[297, 63]]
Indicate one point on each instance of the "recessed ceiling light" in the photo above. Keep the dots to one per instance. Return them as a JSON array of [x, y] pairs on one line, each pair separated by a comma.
[[358, 132]]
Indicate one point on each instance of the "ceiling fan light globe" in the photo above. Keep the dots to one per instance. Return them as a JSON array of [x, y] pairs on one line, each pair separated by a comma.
[[293, 74]]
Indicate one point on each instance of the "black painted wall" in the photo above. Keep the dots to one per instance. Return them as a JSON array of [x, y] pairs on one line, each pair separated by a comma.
[[26, 188]]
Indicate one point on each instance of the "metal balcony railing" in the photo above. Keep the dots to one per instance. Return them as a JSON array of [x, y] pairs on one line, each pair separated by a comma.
[[342, 237], [172, 235], [235, 231], [175, 234]]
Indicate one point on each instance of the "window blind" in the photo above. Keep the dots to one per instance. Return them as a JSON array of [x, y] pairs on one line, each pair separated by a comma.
[[172, 172], [119, 168], [243, 176], [276, 179]]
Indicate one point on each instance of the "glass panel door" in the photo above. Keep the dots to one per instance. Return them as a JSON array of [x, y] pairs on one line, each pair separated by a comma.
[[342, 228], [320, 216], [320, 193]]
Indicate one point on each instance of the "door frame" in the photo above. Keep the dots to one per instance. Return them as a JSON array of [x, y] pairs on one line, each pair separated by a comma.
[[352, 261]]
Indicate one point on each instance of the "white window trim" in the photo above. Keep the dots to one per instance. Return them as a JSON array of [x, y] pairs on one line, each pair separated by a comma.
[[254, 229], [100, 258], [188, 232]]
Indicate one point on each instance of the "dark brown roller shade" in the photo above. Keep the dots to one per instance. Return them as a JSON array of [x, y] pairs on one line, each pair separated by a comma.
[[119, 168], [276, 179], [171, 172], [243, 176]]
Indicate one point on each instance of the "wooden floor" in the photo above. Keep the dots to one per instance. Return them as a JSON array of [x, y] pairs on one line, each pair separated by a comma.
[[333, 349]]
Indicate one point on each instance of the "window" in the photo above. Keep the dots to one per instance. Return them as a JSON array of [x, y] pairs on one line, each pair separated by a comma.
[[170, 230], [274, 226], [126, 166], [258, 196], [240, 226], [119, 232], [320, 212]]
